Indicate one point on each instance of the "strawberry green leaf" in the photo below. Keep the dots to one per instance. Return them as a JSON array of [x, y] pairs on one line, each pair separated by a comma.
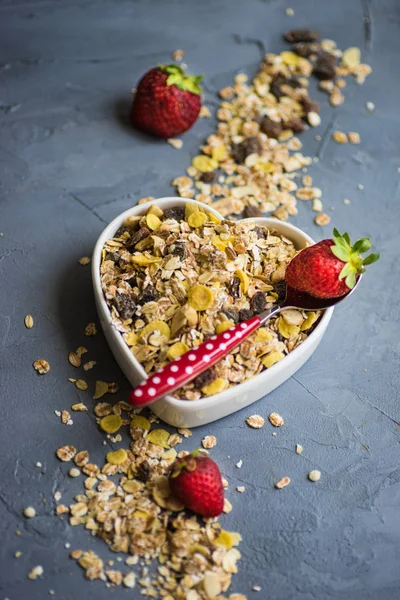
[[351, 280], [362, 246], [341, 253], [346, 271], [347, 238], [371, 258]]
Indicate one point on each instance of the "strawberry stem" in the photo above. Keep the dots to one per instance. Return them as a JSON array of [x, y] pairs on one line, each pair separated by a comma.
[[178, 77], [351, 256]]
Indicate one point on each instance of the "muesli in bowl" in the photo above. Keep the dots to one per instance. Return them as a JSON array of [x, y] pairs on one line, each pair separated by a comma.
[[173, 276]]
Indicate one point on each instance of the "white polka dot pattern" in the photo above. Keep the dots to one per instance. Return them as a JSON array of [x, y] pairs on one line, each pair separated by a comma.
[[189, 365]]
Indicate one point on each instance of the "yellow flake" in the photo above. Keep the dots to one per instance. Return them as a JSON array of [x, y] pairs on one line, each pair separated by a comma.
[[170, 455], [131, 338], [177, 350], [219, 153], [101, 389], [111, 423], [218, 243], [221, 327], [272, 358], [200, 297], [351, 57], [155, 210], [291, 59], [309, 322], [213, 218], [244, 280], [197, 219], [228, 539], [118, 457], [156, 326], [140, 423], [216, 386], [286, 330], [142, 260], [265, 167], [159, 437], [139, 514], [153, 222], [263, 335], [204, 163]]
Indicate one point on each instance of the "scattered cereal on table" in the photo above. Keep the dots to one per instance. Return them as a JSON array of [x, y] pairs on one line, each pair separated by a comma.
[[239, 464], [66, 453], [299, 449], [178, 55], [41, 366], [79, 407], [35, 572], [339, 137], [276, 420], [282, 483], [81, 385], [74, 472], [28, 321], [90, 329], [346, 201], [240, 489], [353, 137], [175, 143], [314, 475], [209, 441], [255, 421], [29, 512], [85, 260], [370, 106], [322, 219]]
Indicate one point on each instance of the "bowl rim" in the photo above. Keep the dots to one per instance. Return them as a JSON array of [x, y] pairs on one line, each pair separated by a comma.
[[201, 403]]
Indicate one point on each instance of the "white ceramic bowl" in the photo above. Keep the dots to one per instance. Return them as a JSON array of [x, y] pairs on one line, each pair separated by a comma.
[[183, 413]]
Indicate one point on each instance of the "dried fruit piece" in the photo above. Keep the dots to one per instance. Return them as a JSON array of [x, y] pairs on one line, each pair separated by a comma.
[[111, 423], [255, 421], [258, 302], [159, 326], [324, 67], [252, 212], [140, 422], [217, 386], [272, 358], [197, 219], [28, 321], [301, 35], [251, 145], [200, 297], [244, 280], [272, 129], [118, 457], [159, 437], [177, 350]]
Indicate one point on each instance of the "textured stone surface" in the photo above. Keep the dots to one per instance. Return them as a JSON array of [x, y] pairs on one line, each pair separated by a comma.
[[69, 163]]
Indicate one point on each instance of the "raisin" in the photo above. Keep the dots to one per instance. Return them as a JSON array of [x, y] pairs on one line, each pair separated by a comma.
[[296, 124], [245, 314], [251, 212], [140, 235], [309, 105], [177, 249], [234, 288], [272, 129], [325, 66], [258, 302], [120, 231], [114, 256], [125, 305], [208, 177], [306, 49], [280, 289], [261, 232], [232, 314], [204, 378], [251, 145], [176, 212], [149, 294], [301, 35], [280, 80], [143, 472], [133, 282]]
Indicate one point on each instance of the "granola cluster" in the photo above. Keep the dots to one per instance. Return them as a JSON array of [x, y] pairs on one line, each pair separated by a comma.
[[128, 504], [174, 278], [254, 157]]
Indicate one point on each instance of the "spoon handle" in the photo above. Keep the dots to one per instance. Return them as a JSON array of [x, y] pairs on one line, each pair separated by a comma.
[[188, 366]]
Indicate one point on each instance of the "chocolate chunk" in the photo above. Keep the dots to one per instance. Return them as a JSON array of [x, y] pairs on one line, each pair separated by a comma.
[[251, 212], [325, 66], [309, 105], [149, 294], [272, 129], [258, 302], [140, 235], [306, 49], [251, 145], [176, 212], [125, 306], [278, 81], [143, 472], [232, 314], [234, 288], [280, 290], [208, 177], [301, 35], [296, 124], [120, 231], [204, 378], [177, 249], [245, 314]]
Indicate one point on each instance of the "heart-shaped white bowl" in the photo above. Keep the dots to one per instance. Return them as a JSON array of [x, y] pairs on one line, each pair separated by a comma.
[[184, 413]]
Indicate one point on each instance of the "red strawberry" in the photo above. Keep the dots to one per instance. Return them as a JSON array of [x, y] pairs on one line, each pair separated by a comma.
[[167, 101], [329, 269], [196, 481]]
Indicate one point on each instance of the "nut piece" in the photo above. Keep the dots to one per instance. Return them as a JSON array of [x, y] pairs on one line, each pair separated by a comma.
[[314, 475], [28, 321], [255, 421], [322, 219], [66, 453], [282, 483], [209, 441], [276, 420], [299, 449], [29, 512], [41, 366], [175, 143]]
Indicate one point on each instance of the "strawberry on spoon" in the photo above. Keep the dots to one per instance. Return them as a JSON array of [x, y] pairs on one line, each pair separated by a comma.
[[196, 481], [167, 101], [330, 268]]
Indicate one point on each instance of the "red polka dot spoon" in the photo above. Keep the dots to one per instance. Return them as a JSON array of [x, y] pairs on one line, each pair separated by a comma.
[[195, 361]]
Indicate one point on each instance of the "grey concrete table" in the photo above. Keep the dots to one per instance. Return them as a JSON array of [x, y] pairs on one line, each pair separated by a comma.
[[70, 163]]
